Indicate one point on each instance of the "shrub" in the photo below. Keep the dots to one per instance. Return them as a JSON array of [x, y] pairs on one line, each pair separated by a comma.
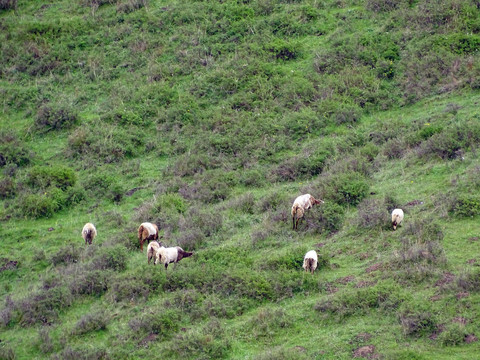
[[466, 206], [347, 188], [8, 188], [44, 177], [372, 213], [48, 119], [327, 217], [43, 307], [12, 151], [207, 343], [385, 296], [469, 281], [45, 342], [417, 323], [114, 258], [94, 321], [66, 255], [454, 334], [385, 5], [128, 289], [91, 282], [129, 6], [267, 322], [81, 353], [38, 205], [8, 4], [157, 321]]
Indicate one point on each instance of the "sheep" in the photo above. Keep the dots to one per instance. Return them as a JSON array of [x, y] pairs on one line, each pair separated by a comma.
[[170, 254], [147, 231], [302, 203], [310, 261], [152, 250], [88, 233], [397, 217]]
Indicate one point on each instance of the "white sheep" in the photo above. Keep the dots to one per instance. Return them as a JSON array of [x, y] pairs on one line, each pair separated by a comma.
[[310, 261], [170, 254], [152, 250], [302, 203], [397, 217], [147, 231], [88, 233]]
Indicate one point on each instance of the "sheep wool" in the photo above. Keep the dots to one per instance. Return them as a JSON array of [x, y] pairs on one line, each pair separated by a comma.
[[310, 261], [88, 233], [397, 217], [147, 231], [171, 254], [302, 203], [152, 251]]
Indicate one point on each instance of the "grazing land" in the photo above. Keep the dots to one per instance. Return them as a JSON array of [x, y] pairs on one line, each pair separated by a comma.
[[208, 118]]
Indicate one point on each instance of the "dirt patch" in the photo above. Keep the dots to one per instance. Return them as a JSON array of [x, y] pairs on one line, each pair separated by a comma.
[[435, 297], [374, 267], [462, 294], [300, 349], [473, 238], [346, 279], [331, 289], [471, 261], [447, 278], [8, 264], [470, 338], [367, 351], [460, 320], [51, 228], [364, 284], [319, 245]]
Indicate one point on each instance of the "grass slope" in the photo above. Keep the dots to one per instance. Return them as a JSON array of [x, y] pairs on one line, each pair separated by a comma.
[[209, 118]]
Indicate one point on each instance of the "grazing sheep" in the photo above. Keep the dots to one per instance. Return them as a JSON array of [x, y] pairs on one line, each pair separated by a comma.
[[310, 261], [147, 231], [152, 250], [302, 203], [397, 217], [88, 233], [171, 254]]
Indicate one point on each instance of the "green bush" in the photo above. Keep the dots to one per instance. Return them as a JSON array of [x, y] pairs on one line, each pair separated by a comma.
[[37, 206], [93, 321], [48, 118], [466, 206], [43, 177], [8, 4], [348, 188], [114, 258], [12, 151], [417, 323], [8, 188], [162, 322], [454, 334]]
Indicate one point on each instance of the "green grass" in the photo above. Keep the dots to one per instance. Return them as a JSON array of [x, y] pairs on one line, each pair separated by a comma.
[[209, 118]]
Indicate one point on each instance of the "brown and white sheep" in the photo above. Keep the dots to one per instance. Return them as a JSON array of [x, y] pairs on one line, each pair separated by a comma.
[[302, 203], [88, 233], [147, 231], [171, 254], [397, 217], [310, 261], [152, 249]]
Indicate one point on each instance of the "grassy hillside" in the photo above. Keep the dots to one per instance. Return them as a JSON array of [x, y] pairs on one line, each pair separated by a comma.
[[208, 118]]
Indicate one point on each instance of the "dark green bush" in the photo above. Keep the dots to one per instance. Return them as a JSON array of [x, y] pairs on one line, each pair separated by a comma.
[[348, 188], [385, 296], [43, 177], [38, 205], [267, 322], [417, 323], [157, 321], [8, 188], [91, 282], [128, 289], [114, 258], [373, 213], [93, 321], [43, 306], [453, 334], [282, 352], [8, 4], [12, 151], [208, 343], [48, 118], [466, 206], [66, 255]]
